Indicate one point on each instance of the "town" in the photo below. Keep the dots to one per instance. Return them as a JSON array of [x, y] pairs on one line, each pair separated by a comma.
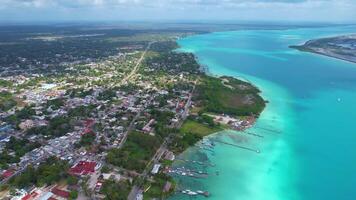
[[110, 128]]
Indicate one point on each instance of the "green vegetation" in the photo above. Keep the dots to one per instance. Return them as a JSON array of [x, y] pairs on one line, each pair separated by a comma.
[[193, 130], [55, 104], [182, 142], [22, 114], [162, 119], [164, 46], [19, 147], [136, 152], [155, 188], [81, 111], [57, 127], [6, 101], [73, 195], [49, 172], [116, 190], [198, 128], [87, 139], [72, 180], [5, 83], [81, 93], [177, 62], [107, 95], [228, 95]]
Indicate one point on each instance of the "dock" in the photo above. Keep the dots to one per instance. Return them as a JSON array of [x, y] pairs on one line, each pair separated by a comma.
[[196, 162], [253, 134], [195, 193], [188, 173], [269, 130], [238, 146]]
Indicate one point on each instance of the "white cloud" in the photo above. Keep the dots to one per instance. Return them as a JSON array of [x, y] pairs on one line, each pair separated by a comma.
[[319, 10]]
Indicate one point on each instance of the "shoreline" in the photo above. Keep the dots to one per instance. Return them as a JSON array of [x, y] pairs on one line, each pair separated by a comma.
[[225, 122], [309, 50], [272, 174]]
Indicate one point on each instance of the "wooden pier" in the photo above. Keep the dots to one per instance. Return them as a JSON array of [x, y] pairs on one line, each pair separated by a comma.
[[238, 146], [269, 130], [253, 134], [197, 162]]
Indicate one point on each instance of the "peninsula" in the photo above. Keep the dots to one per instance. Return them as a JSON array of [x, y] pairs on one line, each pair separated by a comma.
[[341, 47]]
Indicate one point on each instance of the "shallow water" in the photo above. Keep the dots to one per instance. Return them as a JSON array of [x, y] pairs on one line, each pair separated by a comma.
[[310, 154]]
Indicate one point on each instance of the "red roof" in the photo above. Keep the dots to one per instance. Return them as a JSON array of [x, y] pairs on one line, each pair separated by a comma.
[[87, 131], [27, 197], [89, 122], [83, 168], [8, 173], [30, 196], [60, 192]]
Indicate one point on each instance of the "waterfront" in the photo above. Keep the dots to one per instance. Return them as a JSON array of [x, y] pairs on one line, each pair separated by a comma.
[[309, 154]]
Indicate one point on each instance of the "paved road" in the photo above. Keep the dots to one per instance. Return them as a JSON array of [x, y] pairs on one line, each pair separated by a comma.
[[132, 124], [133, 72]]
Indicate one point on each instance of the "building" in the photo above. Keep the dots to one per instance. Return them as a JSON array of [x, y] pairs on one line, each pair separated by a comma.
[[155, 168], [167, 186], [8, 173], [27, 124], [83, 168], [147, 128], [169, 155], [60, 193]]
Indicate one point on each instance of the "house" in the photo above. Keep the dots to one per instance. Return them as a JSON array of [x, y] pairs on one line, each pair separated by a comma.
[[98, 186], [155, 168], [147, 128], [169, 155], [167, 186], [31, 196], [27, 124], [83, 168], [46, 196], [8, 173], [60, 193]]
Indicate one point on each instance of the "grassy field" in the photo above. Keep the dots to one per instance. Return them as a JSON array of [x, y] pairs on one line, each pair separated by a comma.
[[137, 151], [197, 128]]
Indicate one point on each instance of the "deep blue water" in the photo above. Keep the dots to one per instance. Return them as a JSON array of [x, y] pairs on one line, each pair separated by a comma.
[[312, 101]]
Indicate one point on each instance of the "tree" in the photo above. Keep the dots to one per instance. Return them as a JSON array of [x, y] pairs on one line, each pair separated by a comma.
[[73, 195], [87, 139], [72, 180]]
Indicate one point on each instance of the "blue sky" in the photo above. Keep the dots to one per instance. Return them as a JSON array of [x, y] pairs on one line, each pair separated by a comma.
[[126, 10]]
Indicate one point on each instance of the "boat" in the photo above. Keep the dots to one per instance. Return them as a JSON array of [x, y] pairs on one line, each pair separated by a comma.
[[192, 193], [206, 193]]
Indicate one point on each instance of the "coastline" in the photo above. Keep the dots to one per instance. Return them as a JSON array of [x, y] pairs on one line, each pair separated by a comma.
[[330, 55], [247, 121], [341, 47], [234, 162]]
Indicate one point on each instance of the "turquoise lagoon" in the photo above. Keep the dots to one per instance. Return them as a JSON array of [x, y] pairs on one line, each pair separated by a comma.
[[308, 149]]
